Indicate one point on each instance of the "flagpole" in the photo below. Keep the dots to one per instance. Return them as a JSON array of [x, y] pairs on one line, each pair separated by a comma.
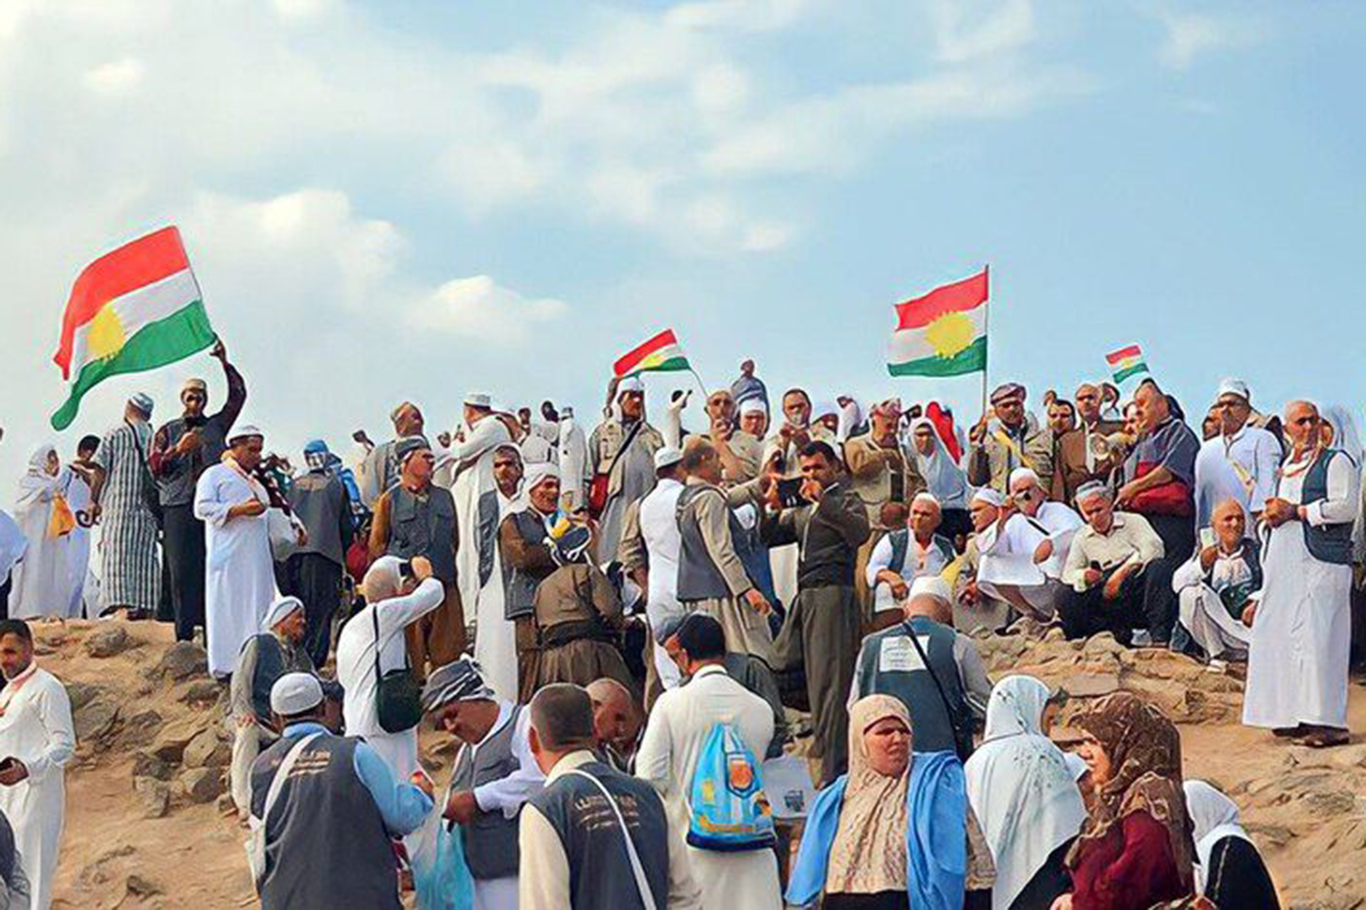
[[702, 386], [986, 332]]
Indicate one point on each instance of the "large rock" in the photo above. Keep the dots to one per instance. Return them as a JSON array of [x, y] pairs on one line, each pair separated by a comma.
[[201, 692], [94, 721], [207, 750], [154, 796], [145, 764], [1090, 685], [183, 660], [82, 694], [170, 743], [141, 727], [202, 785], [107, 641]]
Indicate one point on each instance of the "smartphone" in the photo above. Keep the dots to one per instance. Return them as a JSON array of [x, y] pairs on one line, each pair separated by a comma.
[[790, 492], [405, 569], [1206, 538], [8, 764]]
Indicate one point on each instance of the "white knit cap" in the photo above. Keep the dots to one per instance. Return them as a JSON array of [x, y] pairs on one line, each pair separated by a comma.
[[295, 693]]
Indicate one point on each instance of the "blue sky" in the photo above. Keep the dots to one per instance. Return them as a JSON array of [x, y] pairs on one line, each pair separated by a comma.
[[412, 200]]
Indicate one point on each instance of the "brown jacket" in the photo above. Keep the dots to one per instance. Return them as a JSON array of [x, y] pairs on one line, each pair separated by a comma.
[[880, 475], [1069, 462]]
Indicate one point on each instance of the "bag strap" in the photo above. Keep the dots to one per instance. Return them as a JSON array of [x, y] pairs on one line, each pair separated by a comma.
[[282, 772], [625, 444], [374, 616], [925, 659], [647, 896]]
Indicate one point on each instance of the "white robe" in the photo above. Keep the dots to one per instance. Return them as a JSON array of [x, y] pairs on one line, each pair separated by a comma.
[[659, 528], [78, 545], [36, 728], [239, 577], [1202, 611], [495, 641], [473, 482], [40, 582], [573, 460], [679, 725], [1008, 571], [13, 543], [1302, 634]]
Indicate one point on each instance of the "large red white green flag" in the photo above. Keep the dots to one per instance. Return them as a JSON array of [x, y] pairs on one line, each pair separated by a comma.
[[943, 333], [661, 354], [135, 309]]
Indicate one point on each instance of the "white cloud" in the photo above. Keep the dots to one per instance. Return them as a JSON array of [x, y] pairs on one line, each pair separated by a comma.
[[1191, 35], [114, 78], [977, 30], [740, 15], [479, 309]]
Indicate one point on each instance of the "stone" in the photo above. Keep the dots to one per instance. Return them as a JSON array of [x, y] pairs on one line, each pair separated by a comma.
[[145, 764], [94, 721], [141, 726], [225, 805], [202, 785], [201, 692], [183, 660], [1090, 685], [108, 641], [207, 750], [1328, 803], [1276, 835], [170, 743], [138, 886], [82, 694], [1102, 643], [154, 796]]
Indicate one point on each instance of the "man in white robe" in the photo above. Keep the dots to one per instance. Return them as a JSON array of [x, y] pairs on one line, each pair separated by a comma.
[[1215, 587], [476, 502], [1301, 631], [1240, 463], [495, 647], [40, 581], [1023, 556], [239, 581], [904, 555], [677, 731], [572, 457], [37, 739], [622, 448], [659, 533], [77, 492]]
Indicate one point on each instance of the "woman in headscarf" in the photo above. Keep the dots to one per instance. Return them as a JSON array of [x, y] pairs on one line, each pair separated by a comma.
[[896, 831], [1340, 432], [1135, 848], [945, 480], [1026, 797], [1228, 870], [41, 581]]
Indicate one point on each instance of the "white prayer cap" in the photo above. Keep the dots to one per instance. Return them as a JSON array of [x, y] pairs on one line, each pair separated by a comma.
[[1231, 386], [630, 384], [931, 586], [295, 693], [753, 406], [282, 609], [667, 457], [1028, 474], [535, 473], [927, 497], [246, 431], [989, 496], [479, 400]]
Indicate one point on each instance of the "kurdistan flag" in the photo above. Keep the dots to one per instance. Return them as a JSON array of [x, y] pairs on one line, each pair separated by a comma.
[[943, 333], [135, 309], [661, 354], [1126, 362]]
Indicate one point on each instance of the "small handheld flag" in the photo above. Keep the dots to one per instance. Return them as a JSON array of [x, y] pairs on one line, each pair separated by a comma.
[[1126, 362], [135, 309], [943, 333], [661, 354]]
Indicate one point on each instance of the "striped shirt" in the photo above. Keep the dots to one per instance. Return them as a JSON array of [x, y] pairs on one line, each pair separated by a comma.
[[128, 540]]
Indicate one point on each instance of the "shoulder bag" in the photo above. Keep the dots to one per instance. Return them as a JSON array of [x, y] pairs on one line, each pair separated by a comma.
[[398, 697]]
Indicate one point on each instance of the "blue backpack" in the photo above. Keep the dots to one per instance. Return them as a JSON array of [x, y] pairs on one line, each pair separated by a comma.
[[728, 809]]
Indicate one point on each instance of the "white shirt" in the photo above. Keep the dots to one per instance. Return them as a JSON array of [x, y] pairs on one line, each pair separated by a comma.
[[507, 794], [356, 651], [659, 528], [1241, 467], [920, 560]]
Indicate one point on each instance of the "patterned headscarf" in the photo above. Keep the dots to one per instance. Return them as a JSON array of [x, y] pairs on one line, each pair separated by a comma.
[[1144, 749]]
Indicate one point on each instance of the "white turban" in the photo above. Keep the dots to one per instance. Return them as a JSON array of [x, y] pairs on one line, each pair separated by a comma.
[[927, 497], [536, 473], [988, 496], [933, 586], [282, 609], [630, 384], [1024, 474], [753, 406]]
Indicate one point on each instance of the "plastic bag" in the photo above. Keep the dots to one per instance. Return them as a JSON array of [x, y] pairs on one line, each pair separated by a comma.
[[441, 879]]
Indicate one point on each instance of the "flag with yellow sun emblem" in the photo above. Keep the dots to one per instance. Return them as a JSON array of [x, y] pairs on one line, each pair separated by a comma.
[[135, 309], [943, 333]]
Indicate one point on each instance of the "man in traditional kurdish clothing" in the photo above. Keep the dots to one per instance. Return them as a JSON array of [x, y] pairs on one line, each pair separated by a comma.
[[265, 657], [240, 584], [381, 466], [739, 452], [1301, 633], [1238, 463], [821, 632], [1024, 554], [181, 450], [525, 559], [121, 497], [623, 448], [973, 607], [1007, 438], [417, 518], [1083, 454], [495, 647], [902, 556], [313, 573], [1217, 586], [37, 739], [781, 455], [711, 576], [572, 458]]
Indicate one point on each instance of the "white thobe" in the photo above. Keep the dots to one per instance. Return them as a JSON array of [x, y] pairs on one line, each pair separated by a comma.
[[495, 644], [78, 544], [239, 577], [35, 727], [1302, 634], [356, 669], [1241, 467], [1007, 552], [40, 581], [659, 529], [473, 482], [1203, 612], [679, 725], [921, 559], [573, 460]]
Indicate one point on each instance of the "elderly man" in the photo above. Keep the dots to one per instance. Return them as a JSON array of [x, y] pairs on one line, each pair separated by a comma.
[[738, 452], [181, 450], [1238, 463], [1217, 586], [711, 576], [879, 472], [240, 584], [905, 555], [973, 607], [494, 775], [1110, 571], [936, 672], [572, 456], [1022, 558], [121, 497], [417, 518], [821, 631], [380, 469], [617, 723], [621, 452], [398, 594], [1159, 474], [526, 561], [754, 421], [266, 657], [1083, 454], [1301, 636], [495, 647], [1007, 438], [319, 499]]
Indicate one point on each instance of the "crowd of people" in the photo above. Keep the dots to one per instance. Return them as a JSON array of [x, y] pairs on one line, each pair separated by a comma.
[[660, 650]]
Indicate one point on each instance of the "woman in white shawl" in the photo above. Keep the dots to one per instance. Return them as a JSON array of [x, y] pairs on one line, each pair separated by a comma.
[[947, 482], [41, 586], [1228, 868], [1025, 796]]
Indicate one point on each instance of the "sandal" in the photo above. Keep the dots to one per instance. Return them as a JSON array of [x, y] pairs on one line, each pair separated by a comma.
[[1325, 739]]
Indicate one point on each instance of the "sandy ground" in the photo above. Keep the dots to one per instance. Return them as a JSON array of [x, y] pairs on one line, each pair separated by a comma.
[[1302, 806]]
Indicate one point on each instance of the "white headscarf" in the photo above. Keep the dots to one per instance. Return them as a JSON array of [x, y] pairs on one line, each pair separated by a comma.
[[1021, 788], [282, 608], [945, 479], [1215, 817], [1345, 435], [36, 480]]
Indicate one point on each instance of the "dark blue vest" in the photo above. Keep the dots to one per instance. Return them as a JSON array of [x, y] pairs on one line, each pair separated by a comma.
[[890, 665], [1329, 543]]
